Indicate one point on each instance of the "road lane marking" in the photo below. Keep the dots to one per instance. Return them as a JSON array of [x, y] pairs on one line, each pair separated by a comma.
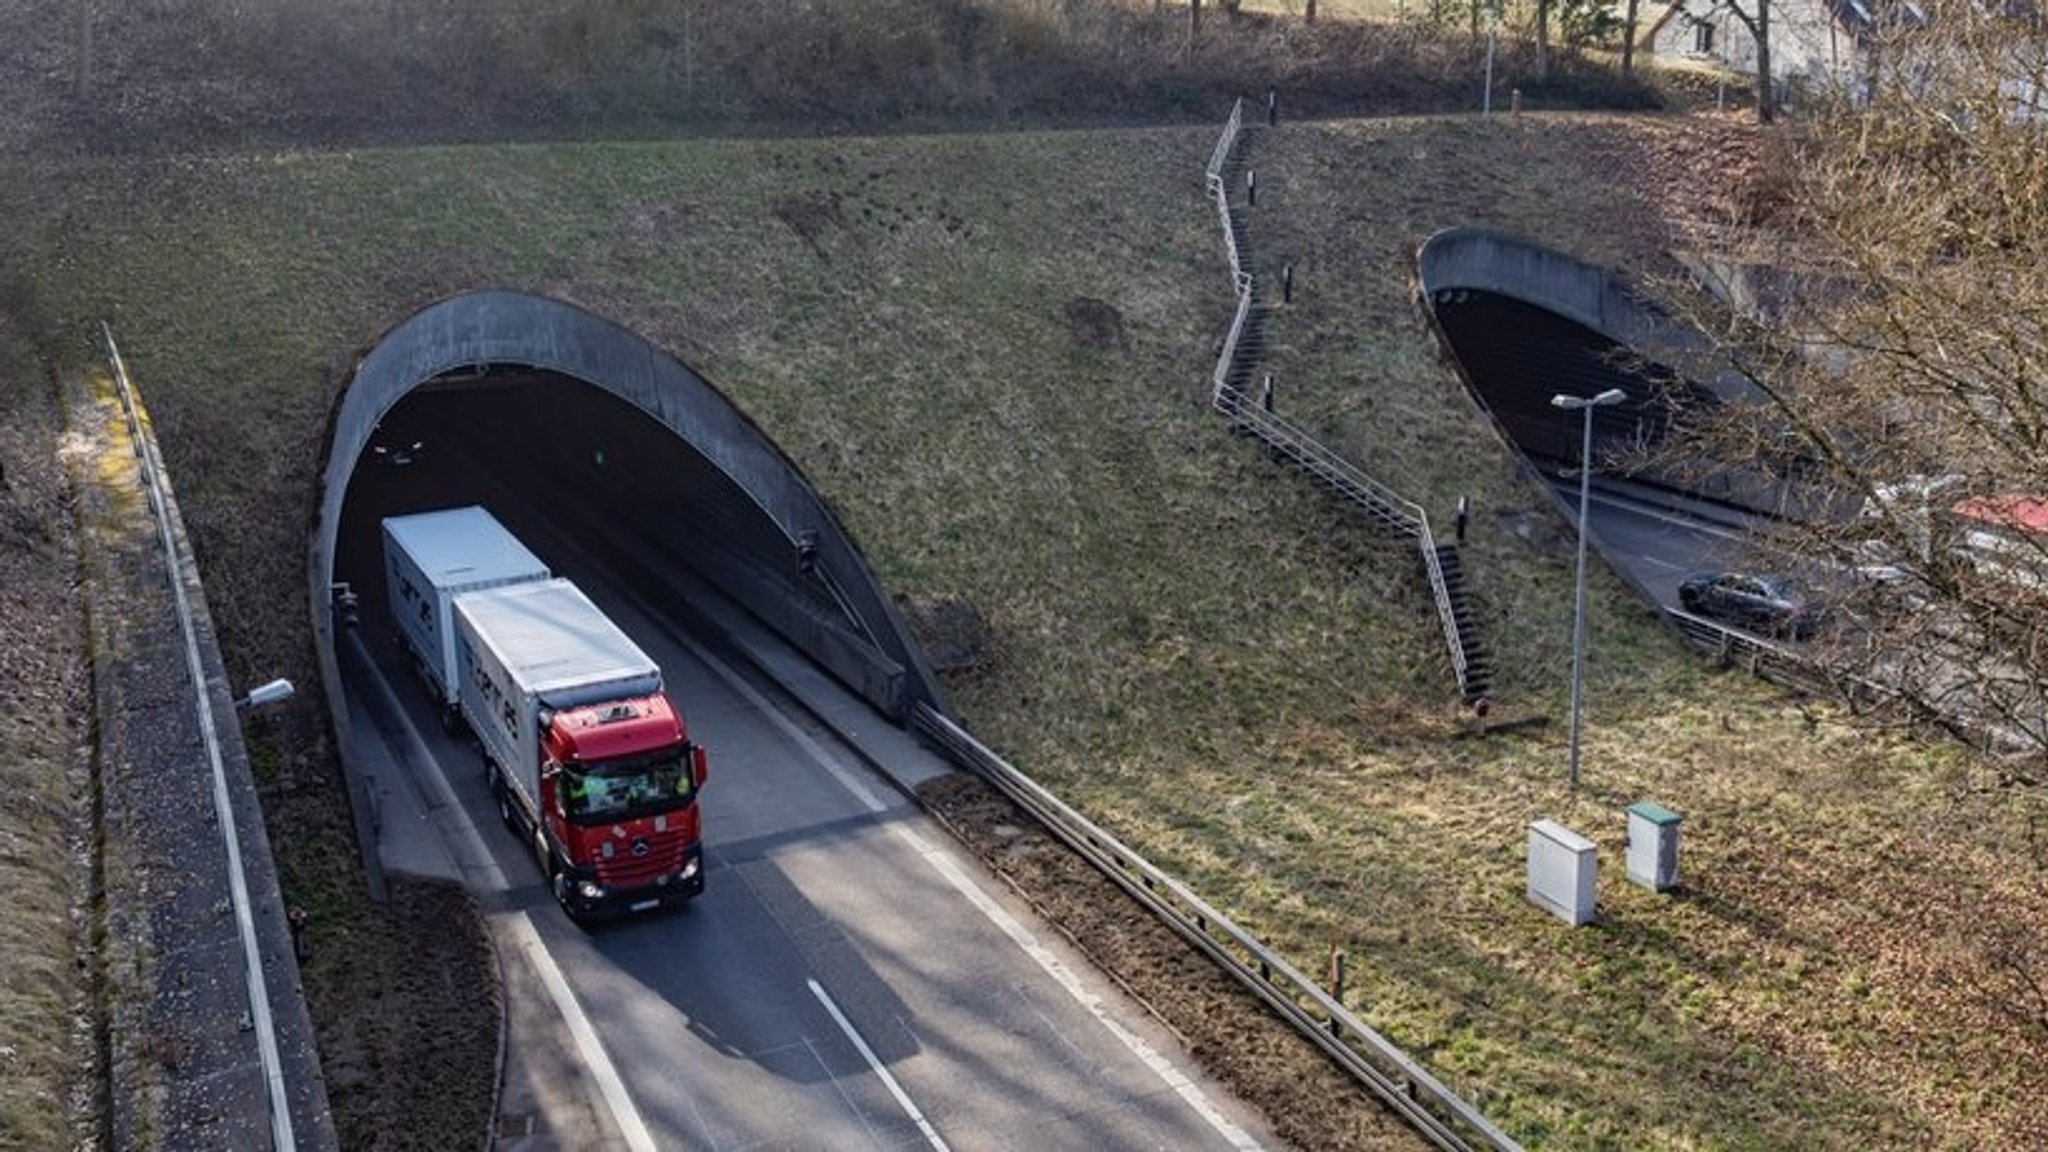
[[847, 780], [1169, 1073], [520, 925], [1696, 525], [903, 1099], [1190, 1092], [426, 764], [631, 1126]]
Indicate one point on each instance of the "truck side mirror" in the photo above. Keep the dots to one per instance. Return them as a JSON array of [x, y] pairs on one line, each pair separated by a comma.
[[700, 768]]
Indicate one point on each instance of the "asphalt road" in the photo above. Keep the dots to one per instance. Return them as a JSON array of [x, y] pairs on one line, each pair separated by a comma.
[[848, 979], [1658, 538]]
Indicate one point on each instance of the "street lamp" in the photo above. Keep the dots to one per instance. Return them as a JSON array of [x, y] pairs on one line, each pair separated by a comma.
[[1584, 404], [269, 693]]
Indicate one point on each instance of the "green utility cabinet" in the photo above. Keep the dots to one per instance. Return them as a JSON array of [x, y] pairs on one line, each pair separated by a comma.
[[1653, 845]]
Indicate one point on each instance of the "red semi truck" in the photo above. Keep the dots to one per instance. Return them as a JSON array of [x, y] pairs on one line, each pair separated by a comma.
[[588, 759]]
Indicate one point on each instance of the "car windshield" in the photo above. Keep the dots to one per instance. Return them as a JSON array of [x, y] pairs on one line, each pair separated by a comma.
[[621, 789]]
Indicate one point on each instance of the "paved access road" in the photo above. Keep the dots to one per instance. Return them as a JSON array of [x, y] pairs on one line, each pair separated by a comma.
[[848, 980], [1658, 538]]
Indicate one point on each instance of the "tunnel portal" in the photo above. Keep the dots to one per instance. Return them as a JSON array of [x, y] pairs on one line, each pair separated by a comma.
[[536, 408]]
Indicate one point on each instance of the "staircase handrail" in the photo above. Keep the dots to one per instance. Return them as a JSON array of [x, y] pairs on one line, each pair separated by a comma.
[[1440, 588], [1378, 499]]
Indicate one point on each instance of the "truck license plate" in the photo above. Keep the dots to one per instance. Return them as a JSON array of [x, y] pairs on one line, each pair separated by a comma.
[[643, 905]]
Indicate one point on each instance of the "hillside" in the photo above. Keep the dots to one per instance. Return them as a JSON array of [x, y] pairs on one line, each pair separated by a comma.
[[990, 351]]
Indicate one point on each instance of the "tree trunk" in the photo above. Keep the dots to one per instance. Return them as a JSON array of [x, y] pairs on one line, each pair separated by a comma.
[[1766, 96], [1628, 39], [1543, 39]]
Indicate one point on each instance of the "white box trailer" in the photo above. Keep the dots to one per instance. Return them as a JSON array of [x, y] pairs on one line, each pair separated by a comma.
[[430, 558], [536, 648]]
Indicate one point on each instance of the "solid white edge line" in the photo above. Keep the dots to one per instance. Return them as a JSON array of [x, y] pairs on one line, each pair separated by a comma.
[[802, 739], [435, 780], [874, 1062], [631, 1126], [1165, 1069], [627, 1116]]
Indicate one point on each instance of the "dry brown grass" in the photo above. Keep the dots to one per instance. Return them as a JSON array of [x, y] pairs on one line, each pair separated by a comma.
[[44, 774], [1185, 640]]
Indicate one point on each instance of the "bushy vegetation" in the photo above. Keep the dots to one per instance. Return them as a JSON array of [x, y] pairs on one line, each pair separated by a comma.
[[186, 73]]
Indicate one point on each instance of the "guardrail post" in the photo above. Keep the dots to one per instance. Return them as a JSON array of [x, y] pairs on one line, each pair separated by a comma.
[[1251, 187], [1273, 105], [1287, 283]]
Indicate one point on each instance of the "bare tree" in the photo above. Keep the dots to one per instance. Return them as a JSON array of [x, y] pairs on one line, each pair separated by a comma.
[[1628, 39], [1902, 388], [1757, 20]]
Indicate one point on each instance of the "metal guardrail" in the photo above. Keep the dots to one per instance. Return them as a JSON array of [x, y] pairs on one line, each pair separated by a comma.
[[1438, 1113], [151, 469], [1764, 659], [1391, 508]]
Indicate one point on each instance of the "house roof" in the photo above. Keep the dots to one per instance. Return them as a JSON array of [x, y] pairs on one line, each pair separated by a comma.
[[2009, 510]]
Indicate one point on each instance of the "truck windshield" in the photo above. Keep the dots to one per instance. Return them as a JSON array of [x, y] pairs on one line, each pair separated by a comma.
[[623, 789]]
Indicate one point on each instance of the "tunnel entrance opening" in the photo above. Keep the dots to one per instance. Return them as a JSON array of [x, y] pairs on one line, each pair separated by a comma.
[[574, 430], [1522, 324], [553, 456], [1517, 355]]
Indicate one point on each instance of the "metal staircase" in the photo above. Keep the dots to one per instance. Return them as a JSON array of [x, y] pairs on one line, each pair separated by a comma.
[[1246, 403]]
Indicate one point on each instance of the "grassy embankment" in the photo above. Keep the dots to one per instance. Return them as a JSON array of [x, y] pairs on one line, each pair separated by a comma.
[[44, 726], [1187, 642]]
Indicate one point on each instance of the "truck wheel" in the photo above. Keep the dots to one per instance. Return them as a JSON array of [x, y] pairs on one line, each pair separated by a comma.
[[504, 797]]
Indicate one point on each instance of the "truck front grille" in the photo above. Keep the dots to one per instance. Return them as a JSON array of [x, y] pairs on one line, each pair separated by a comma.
[[627, 869]]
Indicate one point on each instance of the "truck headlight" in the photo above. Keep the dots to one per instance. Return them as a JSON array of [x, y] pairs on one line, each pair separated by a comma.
[[590, 890], [691, 869]]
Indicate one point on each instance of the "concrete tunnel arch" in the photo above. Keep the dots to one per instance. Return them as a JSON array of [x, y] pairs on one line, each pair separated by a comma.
[[839, 613], [1520, 323]]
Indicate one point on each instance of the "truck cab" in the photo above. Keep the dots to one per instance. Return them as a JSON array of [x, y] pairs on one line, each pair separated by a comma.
[[619, 802]]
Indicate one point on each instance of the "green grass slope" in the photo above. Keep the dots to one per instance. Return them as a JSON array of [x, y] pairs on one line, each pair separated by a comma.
[[991, 353]]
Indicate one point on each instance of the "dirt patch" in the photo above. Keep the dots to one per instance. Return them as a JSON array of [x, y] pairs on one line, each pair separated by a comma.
[[405, 1001], [1238, 1040], [952, 632], [810, 214], [1096, 324]]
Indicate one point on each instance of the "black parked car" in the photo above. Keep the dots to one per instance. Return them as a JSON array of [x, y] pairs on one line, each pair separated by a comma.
[[1768, 604]]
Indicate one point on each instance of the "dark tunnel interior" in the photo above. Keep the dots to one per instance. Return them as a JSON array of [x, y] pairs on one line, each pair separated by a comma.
[[537, 446], [1517, 355]]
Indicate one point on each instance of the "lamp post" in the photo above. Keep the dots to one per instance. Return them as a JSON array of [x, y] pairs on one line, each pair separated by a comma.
[[1585, 405], [1486, 93]]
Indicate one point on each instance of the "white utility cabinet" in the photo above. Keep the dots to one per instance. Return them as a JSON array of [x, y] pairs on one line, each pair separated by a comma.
[[1563, 872]]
